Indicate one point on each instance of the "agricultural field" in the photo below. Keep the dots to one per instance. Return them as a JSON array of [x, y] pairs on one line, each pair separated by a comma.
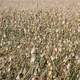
[[40, 44]]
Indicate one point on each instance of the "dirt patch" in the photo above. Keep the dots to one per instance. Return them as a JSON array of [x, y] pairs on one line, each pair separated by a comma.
[[29, 4]]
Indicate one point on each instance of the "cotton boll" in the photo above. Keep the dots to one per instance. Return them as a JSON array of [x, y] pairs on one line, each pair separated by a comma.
[[32, 58], [33, 50], [32, 55], [18, 78], [68, 66]]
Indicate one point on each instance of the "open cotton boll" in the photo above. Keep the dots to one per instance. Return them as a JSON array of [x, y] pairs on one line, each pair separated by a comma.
[[33, 50], [32, 55], [18, 78], [32, 58]]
